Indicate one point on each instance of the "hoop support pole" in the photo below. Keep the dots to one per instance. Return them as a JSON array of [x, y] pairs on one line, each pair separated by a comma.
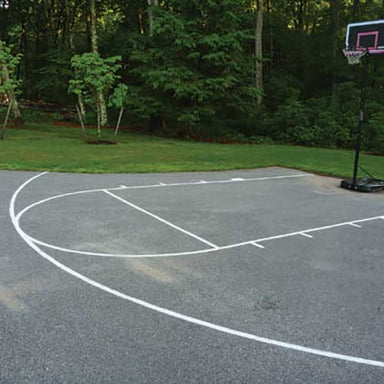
[[358, 139]]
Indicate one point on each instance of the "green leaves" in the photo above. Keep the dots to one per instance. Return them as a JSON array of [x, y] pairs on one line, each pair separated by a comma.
[[195, 64], [119, 96], [91, 74], [8, 65]]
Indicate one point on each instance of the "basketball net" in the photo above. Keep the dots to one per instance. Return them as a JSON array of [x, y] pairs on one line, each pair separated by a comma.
[[354, 57]]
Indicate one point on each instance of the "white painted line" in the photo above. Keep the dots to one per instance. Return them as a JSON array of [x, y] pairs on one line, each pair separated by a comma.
[[162, 183], [37, 203], [229, 181], [318, 229], [124, 256], [154, 186], [190, 253], [258, 245], [355, 225], [173, 314], [203, 182], [162, 220], [175, 254], [237, 179], [306, 235]]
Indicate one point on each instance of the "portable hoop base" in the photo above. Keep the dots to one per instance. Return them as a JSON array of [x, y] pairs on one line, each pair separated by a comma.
[[363, 185]]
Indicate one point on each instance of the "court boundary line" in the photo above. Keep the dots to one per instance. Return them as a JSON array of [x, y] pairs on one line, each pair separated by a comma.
[[170, 313]]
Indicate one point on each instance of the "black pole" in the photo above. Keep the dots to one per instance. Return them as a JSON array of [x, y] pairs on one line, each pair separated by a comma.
[[359, 134]]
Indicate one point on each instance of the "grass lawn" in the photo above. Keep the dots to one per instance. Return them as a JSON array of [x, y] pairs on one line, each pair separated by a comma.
[[45, 147]]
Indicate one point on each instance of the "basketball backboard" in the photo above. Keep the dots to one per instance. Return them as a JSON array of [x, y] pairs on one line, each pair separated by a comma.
[[368, 35]]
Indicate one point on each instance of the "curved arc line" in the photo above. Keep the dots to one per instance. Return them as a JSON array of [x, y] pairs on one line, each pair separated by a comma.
[[303, 232], [155, 186], [98, 254], [37, 203], [168, 312]]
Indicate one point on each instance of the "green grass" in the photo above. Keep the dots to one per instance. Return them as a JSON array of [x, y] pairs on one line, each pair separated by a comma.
[[45, 147]]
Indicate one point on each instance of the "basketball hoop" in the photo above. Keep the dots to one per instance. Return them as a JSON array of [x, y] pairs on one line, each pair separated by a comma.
[[354, 57], [363, 39]]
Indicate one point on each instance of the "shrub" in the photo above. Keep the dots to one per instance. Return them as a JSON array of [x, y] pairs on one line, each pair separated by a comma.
[[375, 132]]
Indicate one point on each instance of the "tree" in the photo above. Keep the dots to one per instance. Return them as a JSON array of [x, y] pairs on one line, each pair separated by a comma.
[[118, 100], [194, 68], [258, 9], [102, 106], [93, 76], [8, 84], [151, 3], [335, 10], [197, 67]]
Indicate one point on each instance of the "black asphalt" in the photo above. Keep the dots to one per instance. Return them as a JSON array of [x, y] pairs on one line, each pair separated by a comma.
[[325, 292]]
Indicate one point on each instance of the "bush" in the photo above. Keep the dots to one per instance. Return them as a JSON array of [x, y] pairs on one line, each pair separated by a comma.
[[326, 121], [33, 115], [375, 132]]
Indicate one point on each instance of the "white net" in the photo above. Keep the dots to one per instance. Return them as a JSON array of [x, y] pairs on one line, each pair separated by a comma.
[[354, 57]]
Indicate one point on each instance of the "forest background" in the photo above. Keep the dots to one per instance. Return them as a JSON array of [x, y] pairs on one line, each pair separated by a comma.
[[227, 70]]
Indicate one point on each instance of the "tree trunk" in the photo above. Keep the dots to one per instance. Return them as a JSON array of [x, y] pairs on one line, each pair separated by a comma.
[[141, 25], [150, 14], [2, 135], [71, 44], [68, 28], [102, 109], [119, 121], [81, 120], [335, 21], [302, 15], [271, 36], [259, 50], [93, 26], [98, 122], [17, 119]]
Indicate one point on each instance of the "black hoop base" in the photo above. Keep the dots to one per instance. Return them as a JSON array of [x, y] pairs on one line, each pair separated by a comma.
[[363, 185]]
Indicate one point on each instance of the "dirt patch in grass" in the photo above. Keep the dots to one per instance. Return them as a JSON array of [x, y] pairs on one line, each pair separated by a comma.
[[100, 142]]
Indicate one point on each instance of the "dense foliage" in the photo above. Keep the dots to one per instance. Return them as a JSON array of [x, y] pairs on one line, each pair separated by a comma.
[[190, 66]]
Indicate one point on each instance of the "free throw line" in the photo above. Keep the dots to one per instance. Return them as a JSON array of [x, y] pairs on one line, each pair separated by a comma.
[[161, 219]]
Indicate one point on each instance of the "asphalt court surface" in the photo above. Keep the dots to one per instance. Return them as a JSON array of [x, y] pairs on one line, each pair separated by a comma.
[[261, 276]]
